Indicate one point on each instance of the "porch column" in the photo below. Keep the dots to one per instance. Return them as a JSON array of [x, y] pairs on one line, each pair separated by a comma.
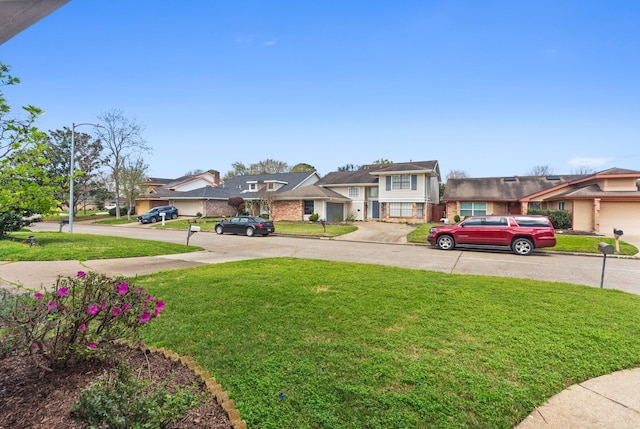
[[596, 215]]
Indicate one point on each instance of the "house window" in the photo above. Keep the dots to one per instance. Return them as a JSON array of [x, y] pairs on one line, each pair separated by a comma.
[[354, 191], [271, 186], [308, 207], [373, 192], [401, 209], [473, 209], [400, 181], [253, 186], [419, 210], [535, 205], [560, 205]]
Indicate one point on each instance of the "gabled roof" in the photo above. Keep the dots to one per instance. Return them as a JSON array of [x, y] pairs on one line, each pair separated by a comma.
[[237, 184], [502, 188], [312, 192], [368, 174]]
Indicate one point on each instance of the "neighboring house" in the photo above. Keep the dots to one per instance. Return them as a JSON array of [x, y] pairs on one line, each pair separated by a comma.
[[196, 194], [598, 202], [397, 192], [161, 191]]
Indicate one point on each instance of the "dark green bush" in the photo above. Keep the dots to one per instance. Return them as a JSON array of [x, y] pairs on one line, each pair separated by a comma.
[[456, 218], [123, 211], [314, 217], [561, 219], [122, 401]]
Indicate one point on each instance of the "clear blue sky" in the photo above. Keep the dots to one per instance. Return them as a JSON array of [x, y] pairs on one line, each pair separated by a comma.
[[492, 88]]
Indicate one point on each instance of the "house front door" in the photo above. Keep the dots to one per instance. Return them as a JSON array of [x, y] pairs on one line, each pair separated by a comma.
[[375, 209]]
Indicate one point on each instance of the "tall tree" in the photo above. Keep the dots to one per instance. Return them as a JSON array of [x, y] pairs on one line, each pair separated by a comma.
[[88, 161], [540, 171], [132, 179], [238, 169], [25, 187], [302, 167], [121, 137], [382, 161], [267, 166], [349, 167], [457, 174]]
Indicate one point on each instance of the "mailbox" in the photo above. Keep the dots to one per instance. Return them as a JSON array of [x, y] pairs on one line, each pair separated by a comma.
[[195, 228], [617, 232], [605, 248]]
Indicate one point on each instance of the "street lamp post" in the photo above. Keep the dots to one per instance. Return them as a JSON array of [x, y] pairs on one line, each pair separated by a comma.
[[72, 206]]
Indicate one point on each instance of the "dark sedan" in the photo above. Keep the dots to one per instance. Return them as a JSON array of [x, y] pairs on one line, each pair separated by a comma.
[[248, 225]]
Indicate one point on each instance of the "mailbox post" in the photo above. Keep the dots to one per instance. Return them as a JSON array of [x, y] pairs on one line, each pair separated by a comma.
[[192, 230], [616, 234], [163, 215], [606, 249]]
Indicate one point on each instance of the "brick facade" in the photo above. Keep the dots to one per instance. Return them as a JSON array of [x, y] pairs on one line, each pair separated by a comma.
[[287, 210]]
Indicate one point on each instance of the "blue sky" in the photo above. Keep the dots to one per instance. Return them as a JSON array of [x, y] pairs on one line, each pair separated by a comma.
[[491, 88]]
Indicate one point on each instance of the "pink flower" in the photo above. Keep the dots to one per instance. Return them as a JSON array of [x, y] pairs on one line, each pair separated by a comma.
[[81, 274], [116, 311], [140, 290], [149, 298], [156, 313], [126, 307], [52, 305], [93, 345], [145, 317], [83, 327], [159, 305], [63, 291], [123, 288], [39, 296], [93, 310], [103, 306]]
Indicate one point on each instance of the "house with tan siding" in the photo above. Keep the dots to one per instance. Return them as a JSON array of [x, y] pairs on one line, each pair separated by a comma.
[[597, 202]]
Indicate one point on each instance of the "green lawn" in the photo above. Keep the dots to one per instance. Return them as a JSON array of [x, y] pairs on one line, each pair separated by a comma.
[[61, 246], [311, 344]]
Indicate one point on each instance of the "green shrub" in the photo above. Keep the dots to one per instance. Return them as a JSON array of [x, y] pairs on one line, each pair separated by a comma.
[[123, 211], [314, 217], [560, 219], [456, 218], [78, 319], [124, 401]]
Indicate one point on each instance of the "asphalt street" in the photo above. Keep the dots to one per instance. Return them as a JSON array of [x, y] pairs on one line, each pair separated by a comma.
[[621, 273]]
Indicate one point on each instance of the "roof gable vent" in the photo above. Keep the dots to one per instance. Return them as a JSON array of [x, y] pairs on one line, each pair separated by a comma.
[[509, 179], [553, 178]]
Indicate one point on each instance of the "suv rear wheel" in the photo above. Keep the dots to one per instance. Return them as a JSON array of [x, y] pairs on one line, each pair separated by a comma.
[[522, 246], [446, 242]]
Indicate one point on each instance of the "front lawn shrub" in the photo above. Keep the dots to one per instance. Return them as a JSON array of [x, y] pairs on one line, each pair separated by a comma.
[[122, 401], [78, 319], [314, 217], [560, 219]]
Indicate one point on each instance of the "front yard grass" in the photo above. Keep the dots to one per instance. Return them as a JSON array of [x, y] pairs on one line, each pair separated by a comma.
[[309, 344], [56, 246]]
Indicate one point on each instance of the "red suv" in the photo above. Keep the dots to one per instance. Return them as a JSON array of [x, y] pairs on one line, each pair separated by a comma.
[[519, 232]]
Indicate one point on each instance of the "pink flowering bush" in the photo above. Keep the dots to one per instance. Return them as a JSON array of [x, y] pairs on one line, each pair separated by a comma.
[[79, 318]]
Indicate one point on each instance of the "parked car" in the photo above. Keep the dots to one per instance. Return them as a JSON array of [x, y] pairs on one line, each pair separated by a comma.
[[519, 232], [155, 214], [248, 225]]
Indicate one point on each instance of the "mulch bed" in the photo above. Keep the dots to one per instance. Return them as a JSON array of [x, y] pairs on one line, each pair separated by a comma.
[[33, 398]]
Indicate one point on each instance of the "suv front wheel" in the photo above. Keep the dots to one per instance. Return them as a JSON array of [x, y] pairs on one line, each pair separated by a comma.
[[522, 246], [446, 242]]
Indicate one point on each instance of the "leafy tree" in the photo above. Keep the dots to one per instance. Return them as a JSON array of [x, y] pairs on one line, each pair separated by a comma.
[[302, 167], [267, 166], [25, 187], [382, 161], [194, 172], [121, 137], [100, 194], [87, 162], [237, 203], [133, 177], [349, 167], [540, 170]]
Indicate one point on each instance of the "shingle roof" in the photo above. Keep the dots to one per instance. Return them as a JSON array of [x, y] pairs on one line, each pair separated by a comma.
[[238, 184], [368, 174], [312, 192], [503, 188]]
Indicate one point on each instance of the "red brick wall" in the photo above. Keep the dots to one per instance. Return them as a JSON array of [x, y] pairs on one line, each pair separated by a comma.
[[218, 208], [287, 210]]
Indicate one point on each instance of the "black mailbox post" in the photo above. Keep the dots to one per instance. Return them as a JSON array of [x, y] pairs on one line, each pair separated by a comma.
[[605, 249]]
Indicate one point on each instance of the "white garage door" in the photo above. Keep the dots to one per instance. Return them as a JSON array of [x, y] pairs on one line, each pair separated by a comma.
[[188, 208], [620, 215]]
